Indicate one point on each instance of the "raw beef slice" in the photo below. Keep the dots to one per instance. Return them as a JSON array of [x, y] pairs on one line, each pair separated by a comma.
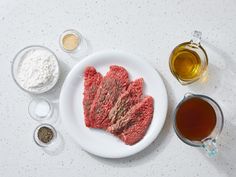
[[92, 80], [132, 127], [128, 99], [112, 86]]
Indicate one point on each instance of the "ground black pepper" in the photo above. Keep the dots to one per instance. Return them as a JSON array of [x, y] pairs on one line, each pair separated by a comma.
[[45, 134]]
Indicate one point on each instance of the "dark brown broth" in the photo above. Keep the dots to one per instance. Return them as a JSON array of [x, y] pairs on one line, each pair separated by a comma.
[[195, 119]]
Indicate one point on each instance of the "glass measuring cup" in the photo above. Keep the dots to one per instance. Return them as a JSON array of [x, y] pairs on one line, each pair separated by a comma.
[[208, 143], [188, 61]]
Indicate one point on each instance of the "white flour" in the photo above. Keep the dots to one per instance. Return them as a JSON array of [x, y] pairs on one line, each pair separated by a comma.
[[38, 71]]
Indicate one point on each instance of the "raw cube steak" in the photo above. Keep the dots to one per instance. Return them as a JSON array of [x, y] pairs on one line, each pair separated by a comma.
[[111, 87], [92, 80], [128, 99], [132, 127]]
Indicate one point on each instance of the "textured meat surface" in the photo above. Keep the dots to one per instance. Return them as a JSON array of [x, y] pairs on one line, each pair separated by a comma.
[[128, 99], [92, 80], [112, 86], [132, 127]]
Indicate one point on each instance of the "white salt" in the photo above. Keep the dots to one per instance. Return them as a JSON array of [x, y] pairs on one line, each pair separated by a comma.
[[42, 109]]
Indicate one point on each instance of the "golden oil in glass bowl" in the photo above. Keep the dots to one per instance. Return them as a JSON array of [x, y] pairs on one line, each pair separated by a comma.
[[188, 61]]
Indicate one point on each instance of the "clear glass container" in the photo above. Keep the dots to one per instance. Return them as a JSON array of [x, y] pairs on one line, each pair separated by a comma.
[[42, 110], [17, 61], [191, 48], [209, 142], [37, 139], [55, 145], [81, 49]]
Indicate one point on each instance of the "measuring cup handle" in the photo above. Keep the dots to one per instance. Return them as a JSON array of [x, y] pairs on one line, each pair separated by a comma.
[[196, 37], [209, 145], [188, 94]]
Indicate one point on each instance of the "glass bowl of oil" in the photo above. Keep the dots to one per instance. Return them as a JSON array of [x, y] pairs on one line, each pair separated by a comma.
[[188, 61]]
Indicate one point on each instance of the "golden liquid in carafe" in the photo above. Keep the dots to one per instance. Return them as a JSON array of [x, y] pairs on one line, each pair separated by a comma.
[[185, 63]]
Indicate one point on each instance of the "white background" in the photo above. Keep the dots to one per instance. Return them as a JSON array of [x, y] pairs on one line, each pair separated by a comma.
[[149, 29]]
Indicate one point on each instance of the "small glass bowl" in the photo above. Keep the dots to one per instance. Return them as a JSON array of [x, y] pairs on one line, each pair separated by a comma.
[[18, 59], [40, 109], [82, 47], [38, 141]]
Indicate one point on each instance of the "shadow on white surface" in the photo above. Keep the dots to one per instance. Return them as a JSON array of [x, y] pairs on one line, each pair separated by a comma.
[[83, 52], [57, 147], [230, 64], [156, 147], [225, 161], [220, 75], [209, 83]]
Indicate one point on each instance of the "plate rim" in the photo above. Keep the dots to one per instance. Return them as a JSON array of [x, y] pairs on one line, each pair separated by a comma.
[[127, 55]]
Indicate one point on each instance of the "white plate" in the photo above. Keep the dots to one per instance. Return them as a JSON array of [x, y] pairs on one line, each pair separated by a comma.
[[99, 142]]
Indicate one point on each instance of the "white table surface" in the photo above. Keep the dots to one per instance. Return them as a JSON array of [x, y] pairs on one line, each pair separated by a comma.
[[149, 29]]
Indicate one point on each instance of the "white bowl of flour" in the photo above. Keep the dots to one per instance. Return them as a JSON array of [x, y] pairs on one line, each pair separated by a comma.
[[35, 69]]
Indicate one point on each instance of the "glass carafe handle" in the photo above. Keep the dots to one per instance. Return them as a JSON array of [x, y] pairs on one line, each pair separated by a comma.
[[210, 147], [196, 37]]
